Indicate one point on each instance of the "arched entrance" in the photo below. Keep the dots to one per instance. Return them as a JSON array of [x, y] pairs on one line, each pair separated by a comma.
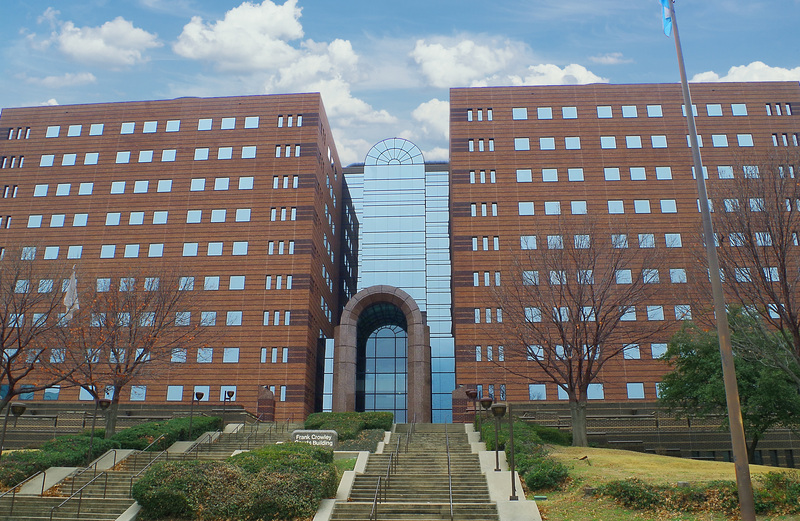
[[382, 356]]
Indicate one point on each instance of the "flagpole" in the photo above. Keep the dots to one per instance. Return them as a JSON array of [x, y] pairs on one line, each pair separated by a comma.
[[738, 442]]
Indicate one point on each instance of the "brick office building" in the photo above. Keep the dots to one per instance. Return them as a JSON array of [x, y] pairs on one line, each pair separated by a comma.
[[243, 196], [528, 161]]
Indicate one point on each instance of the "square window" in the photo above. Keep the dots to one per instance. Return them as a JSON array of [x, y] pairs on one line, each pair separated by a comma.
[[239, 248], [118, 187], [694, 110], [138, 393], [145, 156], [544, 113], [91, 158], [218, 216], [555, 242], [739, 109], [525, 208], [228, 124], [572, 143], [85, 188], [549, 175], [527, 242], [112, 218], [575, 174], [160, 217], [225, 153], [673, 240], [69, 159], [633, 141], [96, 129], [524, 175], [619, 240], [604, 112], [190, 249], [242, 215], [236, 282], [631, 352], [663, 172], [205, 355], [569, 112], [714, 109], [249, 152], [173, 125], [136, 218], [608, 142], [127, 128], [34, 221], [677, 276], [655, 313], [204, 124], [519, 113], [74, 252], [641, 206], [57, 220], [745, 140], [683, 312], [638, 173], [595, 392], [131, 251], [654, 111], [537, 392], [234, 318], [197, 185], [103, 285], [52, 131], [164, 185], [725, 172], [214, 249], [719, 140], [547, 143], [616, 207], [174, 393], [552, 208], [629, 111], [123, 157], [578, 207], [63, 189], [50, 253], [230, 355], [200, 154], [168, 155], [658, 141], [611, 174], [155, 250], [107, 251], [635, 390], [522, 143], [194, 216], [582, 242], [140, 187], [647, 240], [251, 122], [246, 183], [669, 206], [178, 355]]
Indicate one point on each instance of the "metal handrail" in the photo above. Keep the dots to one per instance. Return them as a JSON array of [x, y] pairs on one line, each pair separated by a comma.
[[195, 447], [449, 472], [373, 515], [144, 469], [79, 493], [93, 466], [153, 442], [13, 490]]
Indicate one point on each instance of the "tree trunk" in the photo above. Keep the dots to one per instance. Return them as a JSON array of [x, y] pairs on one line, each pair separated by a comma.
[[751, 448], [111, 416], [577, 411]]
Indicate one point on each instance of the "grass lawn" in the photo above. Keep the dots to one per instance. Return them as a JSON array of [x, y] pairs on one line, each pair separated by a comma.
[[603, 465]]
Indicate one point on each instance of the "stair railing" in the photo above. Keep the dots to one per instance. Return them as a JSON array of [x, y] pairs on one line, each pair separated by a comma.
[[373, 515], [207, 438], [136, 476], [449, 472], [92, 467], [79, 494], [18, 486]]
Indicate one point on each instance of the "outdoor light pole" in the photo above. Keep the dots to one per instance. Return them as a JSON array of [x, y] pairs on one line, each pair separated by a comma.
[[485, 402], [225, 399], [197, 396], [16, 409], [513, 496], [103, 404], [498, 410], [472, 395]]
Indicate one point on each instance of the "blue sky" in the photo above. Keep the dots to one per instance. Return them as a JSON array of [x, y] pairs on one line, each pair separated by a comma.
[[384, 68]]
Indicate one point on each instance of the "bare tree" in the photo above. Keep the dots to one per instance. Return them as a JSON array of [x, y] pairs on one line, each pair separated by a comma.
[[757, 218], [127, 328], [571, 303], [31, 303]]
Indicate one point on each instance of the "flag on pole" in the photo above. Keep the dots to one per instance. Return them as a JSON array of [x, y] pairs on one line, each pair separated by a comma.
[[667, 17], [71, 296]]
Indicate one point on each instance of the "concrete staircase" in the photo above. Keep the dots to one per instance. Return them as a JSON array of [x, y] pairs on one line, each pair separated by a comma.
[[419, 488], [105, 495]]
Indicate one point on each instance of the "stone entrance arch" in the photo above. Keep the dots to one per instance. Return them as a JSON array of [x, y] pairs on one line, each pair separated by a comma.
[[419, 351]]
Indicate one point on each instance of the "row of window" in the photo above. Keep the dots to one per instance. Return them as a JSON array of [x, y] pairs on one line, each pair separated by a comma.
[[197, 184], [785, 139], [622, 276], [631, 111], [109, 251], [526, 208], [139, 393], [171, 125], [137, 218], [19, 133], [583, 241], [610, 142], [587, 313], [12, 161], [595, 391], [146, 156]]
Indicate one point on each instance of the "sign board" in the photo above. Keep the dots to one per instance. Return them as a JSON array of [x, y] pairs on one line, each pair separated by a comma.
[[327, 439]]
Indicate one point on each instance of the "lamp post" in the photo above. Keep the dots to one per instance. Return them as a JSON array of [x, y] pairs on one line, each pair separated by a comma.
[[15, 408], [498, 410], [103, 404], [197, 396], [227, 397], [486, 402], [513, 496], [472, 395]]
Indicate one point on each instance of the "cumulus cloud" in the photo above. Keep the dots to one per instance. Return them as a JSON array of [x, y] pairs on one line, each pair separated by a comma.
[[65, 80], [454, 62], [347, 109], [610, 58], [451, 63], [250, 36], [50, 103], [755, 71], [114, 44], [434, 116]]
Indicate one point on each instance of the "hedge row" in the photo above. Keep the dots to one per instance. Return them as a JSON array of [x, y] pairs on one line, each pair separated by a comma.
[[776, 494], [284, 481], [349, 424], [73, 450]]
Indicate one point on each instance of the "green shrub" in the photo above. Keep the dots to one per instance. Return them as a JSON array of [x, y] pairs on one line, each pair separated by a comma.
[[367, 439], [140, 436], [272, 455], [633, 493], [546, 473], [778, 493], [349, 424], [550, 434]]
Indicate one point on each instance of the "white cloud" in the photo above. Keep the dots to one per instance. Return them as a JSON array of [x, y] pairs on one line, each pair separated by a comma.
[[250, 37], [344, 107], [610, 58], [436, 154], [755, 71], [65, 80], [50, 103], [460, 62], [434, 115], [549, 74], [115, 44]]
